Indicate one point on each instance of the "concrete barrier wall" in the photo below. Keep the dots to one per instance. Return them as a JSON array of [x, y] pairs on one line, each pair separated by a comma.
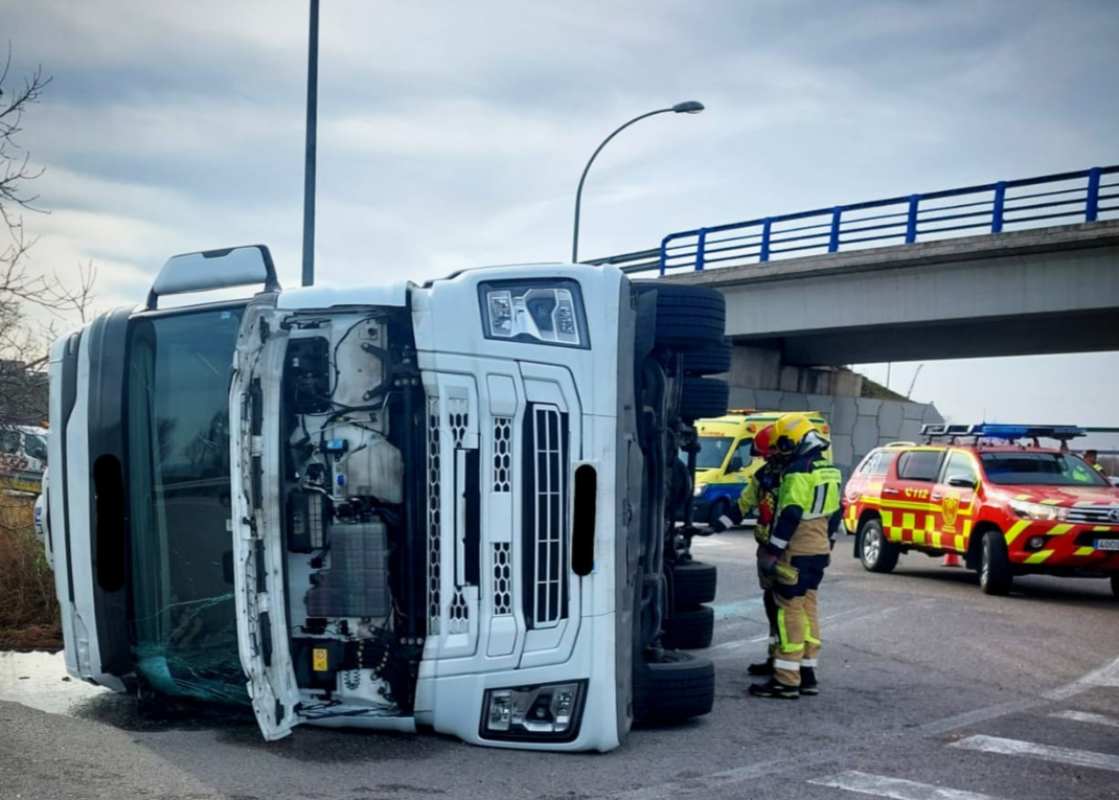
[[859, 424]]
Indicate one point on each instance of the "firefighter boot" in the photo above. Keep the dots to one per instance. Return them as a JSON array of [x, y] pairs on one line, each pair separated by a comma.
[[773, 688], [808, 683]]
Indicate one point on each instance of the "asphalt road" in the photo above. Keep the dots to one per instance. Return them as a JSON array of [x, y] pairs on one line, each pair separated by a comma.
[[930, 690]]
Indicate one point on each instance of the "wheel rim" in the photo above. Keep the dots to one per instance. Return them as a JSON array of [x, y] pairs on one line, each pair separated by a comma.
[[872, 545], [985, 567]]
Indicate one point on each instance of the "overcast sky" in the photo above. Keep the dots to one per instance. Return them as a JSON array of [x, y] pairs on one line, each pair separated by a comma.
[[453, 134]]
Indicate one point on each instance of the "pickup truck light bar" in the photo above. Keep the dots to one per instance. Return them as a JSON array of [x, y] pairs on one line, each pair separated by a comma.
[[990, 430]]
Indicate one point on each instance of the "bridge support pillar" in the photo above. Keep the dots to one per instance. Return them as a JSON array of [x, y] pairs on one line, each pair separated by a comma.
[[862, 414]]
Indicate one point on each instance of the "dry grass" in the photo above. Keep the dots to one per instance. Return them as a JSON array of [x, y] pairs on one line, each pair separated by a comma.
[[28, 607]]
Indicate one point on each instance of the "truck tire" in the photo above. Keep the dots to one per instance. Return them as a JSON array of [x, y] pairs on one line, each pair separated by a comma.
[[878, 554], [689, 317], [995, 576], [693, 584], [675, 687], [712, 359], [690, 629], [702, 398]]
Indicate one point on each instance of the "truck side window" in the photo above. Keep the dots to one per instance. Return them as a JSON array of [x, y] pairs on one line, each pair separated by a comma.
[[919, 465], [958, 464]]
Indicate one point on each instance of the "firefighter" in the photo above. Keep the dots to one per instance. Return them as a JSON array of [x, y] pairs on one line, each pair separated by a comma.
[[761, 494], [797, 553]]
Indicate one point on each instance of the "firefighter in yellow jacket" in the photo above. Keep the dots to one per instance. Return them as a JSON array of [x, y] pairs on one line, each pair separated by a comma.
[[797, 553]]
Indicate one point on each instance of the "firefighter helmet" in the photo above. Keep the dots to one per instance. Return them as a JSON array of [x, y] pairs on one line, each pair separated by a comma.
[[763, 442], [789, 431]]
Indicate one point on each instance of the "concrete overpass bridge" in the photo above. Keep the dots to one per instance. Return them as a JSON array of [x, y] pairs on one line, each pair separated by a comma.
[[1008, 268]]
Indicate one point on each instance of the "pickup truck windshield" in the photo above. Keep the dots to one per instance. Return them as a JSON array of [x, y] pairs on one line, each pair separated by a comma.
[[1042, 469], [178, 482]]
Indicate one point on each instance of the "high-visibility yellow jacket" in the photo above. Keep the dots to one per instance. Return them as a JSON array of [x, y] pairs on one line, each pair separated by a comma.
[[808, 511]]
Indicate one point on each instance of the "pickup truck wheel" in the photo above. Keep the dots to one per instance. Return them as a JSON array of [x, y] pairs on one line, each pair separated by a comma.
[[689, 317], [690, 629], [713, 359], [675, 687], [693, 583], [878, 554], [995, 576], [702, 398]]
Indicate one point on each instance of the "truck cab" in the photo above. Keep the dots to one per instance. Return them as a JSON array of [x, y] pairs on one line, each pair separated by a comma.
[[449, 506]]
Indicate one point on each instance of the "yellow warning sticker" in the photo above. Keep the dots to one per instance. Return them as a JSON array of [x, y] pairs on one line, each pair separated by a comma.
[[319, 659]]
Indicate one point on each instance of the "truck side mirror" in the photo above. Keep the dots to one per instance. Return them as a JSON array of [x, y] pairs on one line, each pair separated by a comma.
[[735, 464], [962, 481]]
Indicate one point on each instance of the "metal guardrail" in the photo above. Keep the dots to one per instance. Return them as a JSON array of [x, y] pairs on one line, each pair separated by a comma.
[[1086, 196]]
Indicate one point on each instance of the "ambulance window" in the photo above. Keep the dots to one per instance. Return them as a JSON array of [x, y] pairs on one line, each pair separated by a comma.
[[919, 465], [9, 441], [36, 447]]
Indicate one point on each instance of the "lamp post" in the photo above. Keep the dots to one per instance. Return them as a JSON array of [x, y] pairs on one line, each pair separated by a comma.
[[309, 154], [687, 107]]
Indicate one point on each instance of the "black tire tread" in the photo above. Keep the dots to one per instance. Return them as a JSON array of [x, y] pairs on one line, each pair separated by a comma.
[[674, 691], [693, 584], [703, 398], [690, 629]]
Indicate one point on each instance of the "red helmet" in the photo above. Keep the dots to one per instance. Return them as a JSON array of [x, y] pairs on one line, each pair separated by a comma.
[[763, 446]]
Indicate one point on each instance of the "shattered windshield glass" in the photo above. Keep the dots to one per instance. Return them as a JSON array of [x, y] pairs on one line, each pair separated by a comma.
[[178, 463]]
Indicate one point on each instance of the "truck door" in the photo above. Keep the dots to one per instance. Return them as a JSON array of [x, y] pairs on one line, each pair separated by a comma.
[[954, 497], [908, 510]]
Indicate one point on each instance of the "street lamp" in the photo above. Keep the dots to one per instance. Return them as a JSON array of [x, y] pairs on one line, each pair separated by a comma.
[[687, 107]]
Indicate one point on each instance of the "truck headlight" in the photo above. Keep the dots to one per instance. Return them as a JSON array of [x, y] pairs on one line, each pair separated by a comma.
[[1037, 511], [542, 311], [699, 489], [549, 711]]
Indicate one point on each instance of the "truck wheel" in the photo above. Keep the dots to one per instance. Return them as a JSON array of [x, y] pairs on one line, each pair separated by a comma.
[[878, 554], [690, 628], [693, 584], [702, 398], [995, 576], [689, 317], [675, 687], [713, 359]]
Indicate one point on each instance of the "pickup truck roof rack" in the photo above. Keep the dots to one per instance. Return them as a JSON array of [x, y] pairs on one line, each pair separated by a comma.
[[991, 430]]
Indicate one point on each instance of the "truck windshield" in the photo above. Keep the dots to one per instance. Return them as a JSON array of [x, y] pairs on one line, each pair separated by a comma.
[[712, 451], [178, 484], [1043, 469]]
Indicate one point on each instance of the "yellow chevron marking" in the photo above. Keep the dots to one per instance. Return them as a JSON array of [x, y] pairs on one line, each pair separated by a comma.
[[1015, 530], [1057, 530], [1102, 527], [1022, 497], [1084, 551], [1049, 501], [1039, 556]]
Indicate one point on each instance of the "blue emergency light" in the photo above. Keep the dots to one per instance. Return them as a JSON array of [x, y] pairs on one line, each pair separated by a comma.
[[995, 430]]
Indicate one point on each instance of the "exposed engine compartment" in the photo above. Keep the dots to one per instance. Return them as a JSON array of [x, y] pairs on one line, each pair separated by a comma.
[[347, 391]]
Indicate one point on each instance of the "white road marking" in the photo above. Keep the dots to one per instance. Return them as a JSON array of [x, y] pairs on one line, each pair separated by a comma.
[[734, 644], [1087, 716], [1107, 675], [701, 543], [896, 788], [706, 785], [1044, 752]]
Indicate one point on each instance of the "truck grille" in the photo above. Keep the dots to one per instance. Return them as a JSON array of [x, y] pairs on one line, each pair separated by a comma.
[[544, 507], [1094, 515], [434, 569]]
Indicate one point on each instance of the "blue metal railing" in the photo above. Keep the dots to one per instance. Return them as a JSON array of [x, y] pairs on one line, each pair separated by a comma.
[[1085, 196]]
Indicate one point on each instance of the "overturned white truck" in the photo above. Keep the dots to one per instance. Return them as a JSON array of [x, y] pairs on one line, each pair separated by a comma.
[[456, 506]]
